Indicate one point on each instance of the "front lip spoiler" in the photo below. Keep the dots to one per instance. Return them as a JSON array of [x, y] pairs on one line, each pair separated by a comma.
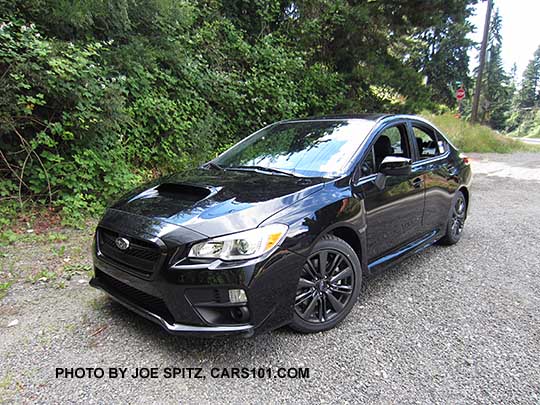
[[176, 328]]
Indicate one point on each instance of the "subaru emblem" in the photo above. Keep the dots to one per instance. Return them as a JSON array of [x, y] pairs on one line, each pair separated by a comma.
[[122, 243]]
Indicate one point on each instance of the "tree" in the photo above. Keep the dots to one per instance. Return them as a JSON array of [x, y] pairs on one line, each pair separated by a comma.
[[441, 55], [524, 119], [385, 49], [529, 94], [513, 77], [496, 93]]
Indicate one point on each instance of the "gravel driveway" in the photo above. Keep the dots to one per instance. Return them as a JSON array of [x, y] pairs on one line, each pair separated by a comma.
[[453, 325]]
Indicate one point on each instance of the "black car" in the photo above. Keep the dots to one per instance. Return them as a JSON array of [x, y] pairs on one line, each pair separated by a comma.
[[280, 229]]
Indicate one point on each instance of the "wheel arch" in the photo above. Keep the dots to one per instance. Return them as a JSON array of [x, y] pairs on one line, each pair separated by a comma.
[[350, 236], [355, 239]]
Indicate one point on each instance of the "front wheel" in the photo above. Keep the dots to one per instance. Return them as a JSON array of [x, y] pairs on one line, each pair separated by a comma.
[[456, 220], [329, 285]]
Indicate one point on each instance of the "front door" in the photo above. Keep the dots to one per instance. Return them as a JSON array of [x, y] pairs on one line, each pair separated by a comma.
[[393, 214], [432, 160]]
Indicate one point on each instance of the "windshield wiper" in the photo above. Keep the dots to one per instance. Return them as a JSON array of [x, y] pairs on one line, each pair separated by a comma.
[[264, 169], [212, 165]]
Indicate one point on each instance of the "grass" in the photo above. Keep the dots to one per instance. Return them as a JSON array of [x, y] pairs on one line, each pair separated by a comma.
[[49, 258], [5, 388], [4, 287], [529, 133], [475, 137], [43, 275]]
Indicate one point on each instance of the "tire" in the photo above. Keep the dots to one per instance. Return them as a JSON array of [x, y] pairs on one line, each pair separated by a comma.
[[324, 298], [456, 220]]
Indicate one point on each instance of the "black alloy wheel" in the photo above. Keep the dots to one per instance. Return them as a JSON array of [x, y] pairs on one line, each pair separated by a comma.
[[456, 220], [328, 286], [458, 216]]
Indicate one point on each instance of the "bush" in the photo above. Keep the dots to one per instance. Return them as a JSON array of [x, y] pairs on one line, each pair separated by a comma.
[[61, 120], [82, 120]]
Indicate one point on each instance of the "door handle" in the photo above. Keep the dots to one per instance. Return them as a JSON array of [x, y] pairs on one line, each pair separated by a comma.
[[417, 182]]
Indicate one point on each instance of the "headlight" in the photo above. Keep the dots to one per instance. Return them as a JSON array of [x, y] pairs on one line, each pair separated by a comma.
[[242, 245]]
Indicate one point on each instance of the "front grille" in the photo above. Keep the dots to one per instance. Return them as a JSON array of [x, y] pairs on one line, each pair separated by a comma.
[[141, 257], [149, 302]]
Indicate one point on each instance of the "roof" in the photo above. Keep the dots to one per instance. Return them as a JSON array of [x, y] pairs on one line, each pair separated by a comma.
[[369, 117]]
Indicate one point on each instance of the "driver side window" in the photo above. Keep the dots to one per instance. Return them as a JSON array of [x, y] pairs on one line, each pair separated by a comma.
[[392, 141]]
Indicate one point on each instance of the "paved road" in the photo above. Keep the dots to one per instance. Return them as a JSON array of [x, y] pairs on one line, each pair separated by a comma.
[[456, 324], [533, 141]]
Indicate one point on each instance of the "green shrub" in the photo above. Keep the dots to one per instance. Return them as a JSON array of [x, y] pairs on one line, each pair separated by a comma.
[[83, 120], [61, 121]]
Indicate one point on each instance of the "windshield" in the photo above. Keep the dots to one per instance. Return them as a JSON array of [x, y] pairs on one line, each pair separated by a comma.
[[322, 148]]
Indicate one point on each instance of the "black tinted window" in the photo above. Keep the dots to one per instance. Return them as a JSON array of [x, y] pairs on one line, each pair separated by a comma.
[[426, 142], [392, 141]]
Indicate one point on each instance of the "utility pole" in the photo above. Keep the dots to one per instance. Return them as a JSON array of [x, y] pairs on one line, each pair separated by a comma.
[[478, 86]]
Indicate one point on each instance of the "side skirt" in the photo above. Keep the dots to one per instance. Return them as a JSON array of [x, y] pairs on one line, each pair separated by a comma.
[[404, 251]]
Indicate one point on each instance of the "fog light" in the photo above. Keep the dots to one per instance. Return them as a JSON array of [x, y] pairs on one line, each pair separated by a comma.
[[240, 314], [237, 296]]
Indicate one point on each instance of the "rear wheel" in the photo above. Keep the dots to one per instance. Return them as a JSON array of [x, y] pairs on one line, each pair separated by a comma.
[[456, 220], [329, 285]]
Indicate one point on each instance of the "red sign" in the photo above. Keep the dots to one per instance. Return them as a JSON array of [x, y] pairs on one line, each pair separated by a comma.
[[460, 94]]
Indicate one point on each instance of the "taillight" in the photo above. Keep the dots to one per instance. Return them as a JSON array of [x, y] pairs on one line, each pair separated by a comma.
[[465, 158]]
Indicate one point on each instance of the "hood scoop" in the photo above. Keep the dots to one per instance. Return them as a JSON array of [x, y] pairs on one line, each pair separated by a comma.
[[167, 199], [182, 192]]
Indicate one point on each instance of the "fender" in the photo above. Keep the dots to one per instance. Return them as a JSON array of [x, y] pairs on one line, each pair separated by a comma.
[[332, 210]]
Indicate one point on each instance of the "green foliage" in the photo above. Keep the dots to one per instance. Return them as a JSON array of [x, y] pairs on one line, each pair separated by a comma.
[[61, 121], [8, 237], [385, 50], [529, 94], [43, 276], [85, 119], [441, 53], [527, 123]]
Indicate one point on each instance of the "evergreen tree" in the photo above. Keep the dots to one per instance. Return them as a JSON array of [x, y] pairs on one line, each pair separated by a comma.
[[513, 77], [524, 120], [441, 55], [529, 95], [384, 50]]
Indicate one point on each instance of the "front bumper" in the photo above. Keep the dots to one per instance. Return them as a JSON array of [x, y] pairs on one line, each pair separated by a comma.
[[189, 298], [174, 328]]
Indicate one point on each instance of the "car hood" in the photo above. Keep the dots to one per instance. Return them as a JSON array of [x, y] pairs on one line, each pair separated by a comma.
[[215, 203]]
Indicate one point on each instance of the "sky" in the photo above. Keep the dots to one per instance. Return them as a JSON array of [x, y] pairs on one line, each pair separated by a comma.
[[520, 31]]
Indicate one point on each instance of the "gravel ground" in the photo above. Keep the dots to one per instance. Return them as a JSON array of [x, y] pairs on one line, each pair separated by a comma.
[[453, 325]]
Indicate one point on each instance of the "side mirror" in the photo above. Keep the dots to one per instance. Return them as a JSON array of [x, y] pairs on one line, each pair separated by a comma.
[[395, 166], [392, 166]]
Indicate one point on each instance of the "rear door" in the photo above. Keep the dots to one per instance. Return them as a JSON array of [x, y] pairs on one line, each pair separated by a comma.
[[393, 214]]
